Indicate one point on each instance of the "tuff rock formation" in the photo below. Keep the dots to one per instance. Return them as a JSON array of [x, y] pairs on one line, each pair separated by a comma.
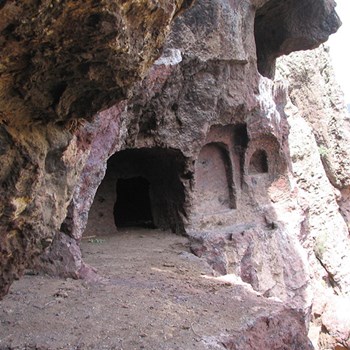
[[319, 148], [237, 161], [60, 63]]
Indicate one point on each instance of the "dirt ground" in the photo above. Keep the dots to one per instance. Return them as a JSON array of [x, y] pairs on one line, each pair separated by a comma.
[[155, 295]]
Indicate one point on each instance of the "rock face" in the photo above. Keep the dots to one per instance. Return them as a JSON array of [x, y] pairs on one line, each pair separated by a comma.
[[319, 138], [212, 144], [60, 64], [282, 27], [50, 59]]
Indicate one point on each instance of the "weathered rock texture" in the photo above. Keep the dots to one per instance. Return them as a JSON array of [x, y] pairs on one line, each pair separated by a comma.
[[319, 144], [282, 27], [60, 63], [70, 59], [213, 142]]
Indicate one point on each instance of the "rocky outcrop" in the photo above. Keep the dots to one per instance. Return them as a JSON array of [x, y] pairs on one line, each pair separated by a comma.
[[216, 144], [273, 332], [282, 27], [69, 60], [319, 137], [205, 98], [60, 64], [314, 90]]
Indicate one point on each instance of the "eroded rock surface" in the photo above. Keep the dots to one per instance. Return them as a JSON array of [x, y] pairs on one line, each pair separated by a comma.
[[215, 145], [70, 59], [319, 145], [282, 27], [60, 63], [314, 90]]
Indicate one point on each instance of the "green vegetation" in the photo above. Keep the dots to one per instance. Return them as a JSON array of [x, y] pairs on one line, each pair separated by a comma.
[[320, 245], [323, 151]]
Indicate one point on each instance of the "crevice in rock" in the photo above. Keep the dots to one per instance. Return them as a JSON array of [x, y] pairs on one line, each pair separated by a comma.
[[57, 92], [330, 278]]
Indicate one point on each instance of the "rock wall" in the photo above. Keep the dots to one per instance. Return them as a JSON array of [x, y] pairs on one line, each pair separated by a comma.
[[319, 138], [216, 138], [60, 64]]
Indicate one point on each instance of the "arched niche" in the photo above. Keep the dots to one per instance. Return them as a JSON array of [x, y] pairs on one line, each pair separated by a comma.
[[265, 155], [258, 163], [213, 180]]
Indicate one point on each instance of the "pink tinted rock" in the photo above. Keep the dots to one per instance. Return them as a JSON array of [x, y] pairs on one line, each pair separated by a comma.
[[336, 321]]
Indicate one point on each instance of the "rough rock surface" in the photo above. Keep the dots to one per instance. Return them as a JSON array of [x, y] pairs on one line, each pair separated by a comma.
[[314, 90], [60, 64], [70, 59], [216, 144], [319, 148], [282, 27]]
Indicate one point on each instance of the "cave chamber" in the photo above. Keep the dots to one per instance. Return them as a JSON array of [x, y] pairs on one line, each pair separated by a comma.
[[141, 188]]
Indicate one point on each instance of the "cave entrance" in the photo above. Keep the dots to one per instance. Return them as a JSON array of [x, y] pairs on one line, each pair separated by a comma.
[[133, 204], [142, 188]]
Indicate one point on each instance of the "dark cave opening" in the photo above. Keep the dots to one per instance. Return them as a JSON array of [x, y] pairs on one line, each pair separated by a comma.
[[240, 136], [142, 188], [133, 204]]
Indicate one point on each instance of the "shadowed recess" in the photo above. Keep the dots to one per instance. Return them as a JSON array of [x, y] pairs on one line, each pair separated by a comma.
[[133, 205], [258, 163], [149, 188]]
